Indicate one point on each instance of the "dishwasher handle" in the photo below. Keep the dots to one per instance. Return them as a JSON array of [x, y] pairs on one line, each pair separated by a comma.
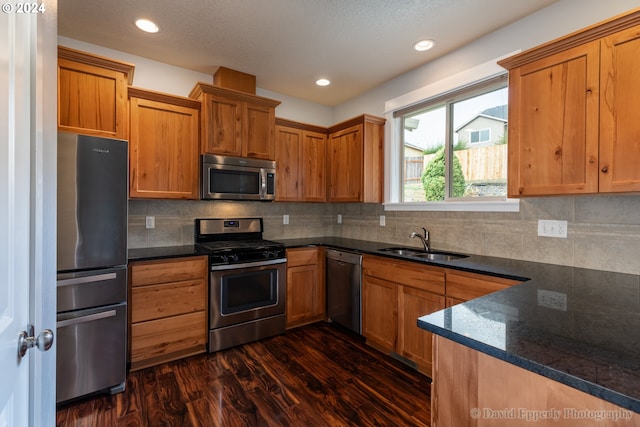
[[344, 256]]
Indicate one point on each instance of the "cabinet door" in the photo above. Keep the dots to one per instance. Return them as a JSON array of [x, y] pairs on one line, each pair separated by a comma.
[[288, 148], [92, 100], [345, 165], [380, 313], [305, 286], [222, 125], [619, 112], [259, 131], [313, 159], [303, 299], [415, 343], [163, 150], [553, 124]]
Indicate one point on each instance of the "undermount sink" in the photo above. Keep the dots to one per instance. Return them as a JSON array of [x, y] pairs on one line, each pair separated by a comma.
[[431, 255], [439, 256], [402, 251]]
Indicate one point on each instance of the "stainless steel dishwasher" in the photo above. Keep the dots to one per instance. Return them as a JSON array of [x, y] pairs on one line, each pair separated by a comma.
[[344, 288]]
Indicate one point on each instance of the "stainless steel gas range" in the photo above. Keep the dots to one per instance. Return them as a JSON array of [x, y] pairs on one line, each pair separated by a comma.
[[247, 281]]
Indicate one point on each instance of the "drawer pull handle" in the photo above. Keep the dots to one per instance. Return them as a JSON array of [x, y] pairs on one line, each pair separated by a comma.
[[86, 279], [85, 319]]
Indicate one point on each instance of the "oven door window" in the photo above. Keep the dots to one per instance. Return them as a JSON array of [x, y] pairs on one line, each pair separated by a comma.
[[248, 291], [225, 181]]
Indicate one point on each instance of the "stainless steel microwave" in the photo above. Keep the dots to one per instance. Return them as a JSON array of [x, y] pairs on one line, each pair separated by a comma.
[[237, 178]]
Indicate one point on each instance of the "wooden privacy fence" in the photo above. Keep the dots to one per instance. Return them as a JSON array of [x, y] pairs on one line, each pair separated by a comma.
[[478, 164], [413, 167]]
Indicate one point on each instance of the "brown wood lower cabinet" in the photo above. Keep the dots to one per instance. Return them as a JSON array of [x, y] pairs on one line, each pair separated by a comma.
[[305, 286], [468, 385], [464, 286], [394, 294], [168, 310]]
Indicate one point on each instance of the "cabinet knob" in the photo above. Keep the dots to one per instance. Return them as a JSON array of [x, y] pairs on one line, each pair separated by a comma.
[[605, 169]]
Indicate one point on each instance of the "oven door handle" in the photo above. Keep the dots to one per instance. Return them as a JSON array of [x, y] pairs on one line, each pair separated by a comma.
[[248, 264]]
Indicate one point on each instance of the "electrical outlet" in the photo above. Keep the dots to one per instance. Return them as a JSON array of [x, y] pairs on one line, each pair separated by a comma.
[[382, 221], [548, 228], [150, 222], [285, 219], [339, 219]]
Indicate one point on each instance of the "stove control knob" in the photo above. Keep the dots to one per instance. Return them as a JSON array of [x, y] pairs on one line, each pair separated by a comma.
[[224, 258], [234, 258]]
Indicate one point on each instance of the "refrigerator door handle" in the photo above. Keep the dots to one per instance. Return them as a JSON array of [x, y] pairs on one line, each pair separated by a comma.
[[86, 279], [85, 319]]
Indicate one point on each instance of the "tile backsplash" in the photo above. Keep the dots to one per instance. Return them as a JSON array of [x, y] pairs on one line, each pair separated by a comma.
[[603, 231]]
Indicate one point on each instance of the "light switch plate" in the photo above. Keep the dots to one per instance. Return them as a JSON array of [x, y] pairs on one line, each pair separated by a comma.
[[150, 222], [339, 219], [382, 221], [285, 219], [549, 228]]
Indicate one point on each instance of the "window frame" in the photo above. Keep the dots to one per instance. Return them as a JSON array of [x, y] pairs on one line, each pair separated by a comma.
[[466, 82]]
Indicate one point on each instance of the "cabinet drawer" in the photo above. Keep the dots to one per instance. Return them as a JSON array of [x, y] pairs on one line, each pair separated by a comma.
[[412, 274], [169, 299], [163, 271], [297, 257], [466, 286], [162, 337]]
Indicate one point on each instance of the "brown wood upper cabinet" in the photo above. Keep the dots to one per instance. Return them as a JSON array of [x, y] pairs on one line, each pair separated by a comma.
[[355, 159], [573, 112], [235, 123], [92, 94], [300, 162], [163, 146]]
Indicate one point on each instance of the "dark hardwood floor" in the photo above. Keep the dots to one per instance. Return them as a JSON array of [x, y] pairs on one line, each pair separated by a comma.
[[316, 375]]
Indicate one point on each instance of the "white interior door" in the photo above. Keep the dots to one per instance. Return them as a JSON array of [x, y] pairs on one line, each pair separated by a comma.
[[27, 192]]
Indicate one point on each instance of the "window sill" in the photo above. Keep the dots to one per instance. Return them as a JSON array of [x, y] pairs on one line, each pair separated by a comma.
[[509, 205]]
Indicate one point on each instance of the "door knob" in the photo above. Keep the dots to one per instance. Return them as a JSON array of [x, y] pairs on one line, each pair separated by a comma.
[[26, 340]]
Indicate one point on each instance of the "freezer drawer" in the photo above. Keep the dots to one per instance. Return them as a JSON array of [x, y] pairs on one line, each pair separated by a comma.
[[95, 288], [91, 351]]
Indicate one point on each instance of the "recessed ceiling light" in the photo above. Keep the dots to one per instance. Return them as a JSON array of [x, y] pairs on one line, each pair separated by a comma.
[[423, 45], [147, 26], [323, 82]]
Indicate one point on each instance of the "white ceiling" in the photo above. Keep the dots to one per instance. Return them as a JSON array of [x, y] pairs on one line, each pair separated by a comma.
[[288, 44]]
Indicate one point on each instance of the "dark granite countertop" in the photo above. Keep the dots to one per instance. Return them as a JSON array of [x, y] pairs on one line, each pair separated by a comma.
[[146, 254], [577, 326]]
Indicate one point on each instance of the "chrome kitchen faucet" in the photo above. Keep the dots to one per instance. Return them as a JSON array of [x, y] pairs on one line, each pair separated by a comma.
[[424, 239]]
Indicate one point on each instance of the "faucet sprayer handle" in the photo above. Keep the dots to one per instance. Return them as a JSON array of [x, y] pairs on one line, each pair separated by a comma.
[[426, 233]]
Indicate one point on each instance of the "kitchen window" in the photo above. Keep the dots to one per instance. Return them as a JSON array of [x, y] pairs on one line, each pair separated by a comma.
[[450, 150]]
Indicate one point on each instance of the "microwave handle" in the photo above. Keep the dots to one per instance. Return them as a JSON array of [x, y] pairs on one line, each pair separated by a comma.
[[263, 183]]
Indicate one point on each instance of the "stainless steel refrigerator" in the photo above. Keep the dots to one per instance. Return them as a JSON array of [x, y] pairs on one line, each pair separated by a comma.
[[92, 265]]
